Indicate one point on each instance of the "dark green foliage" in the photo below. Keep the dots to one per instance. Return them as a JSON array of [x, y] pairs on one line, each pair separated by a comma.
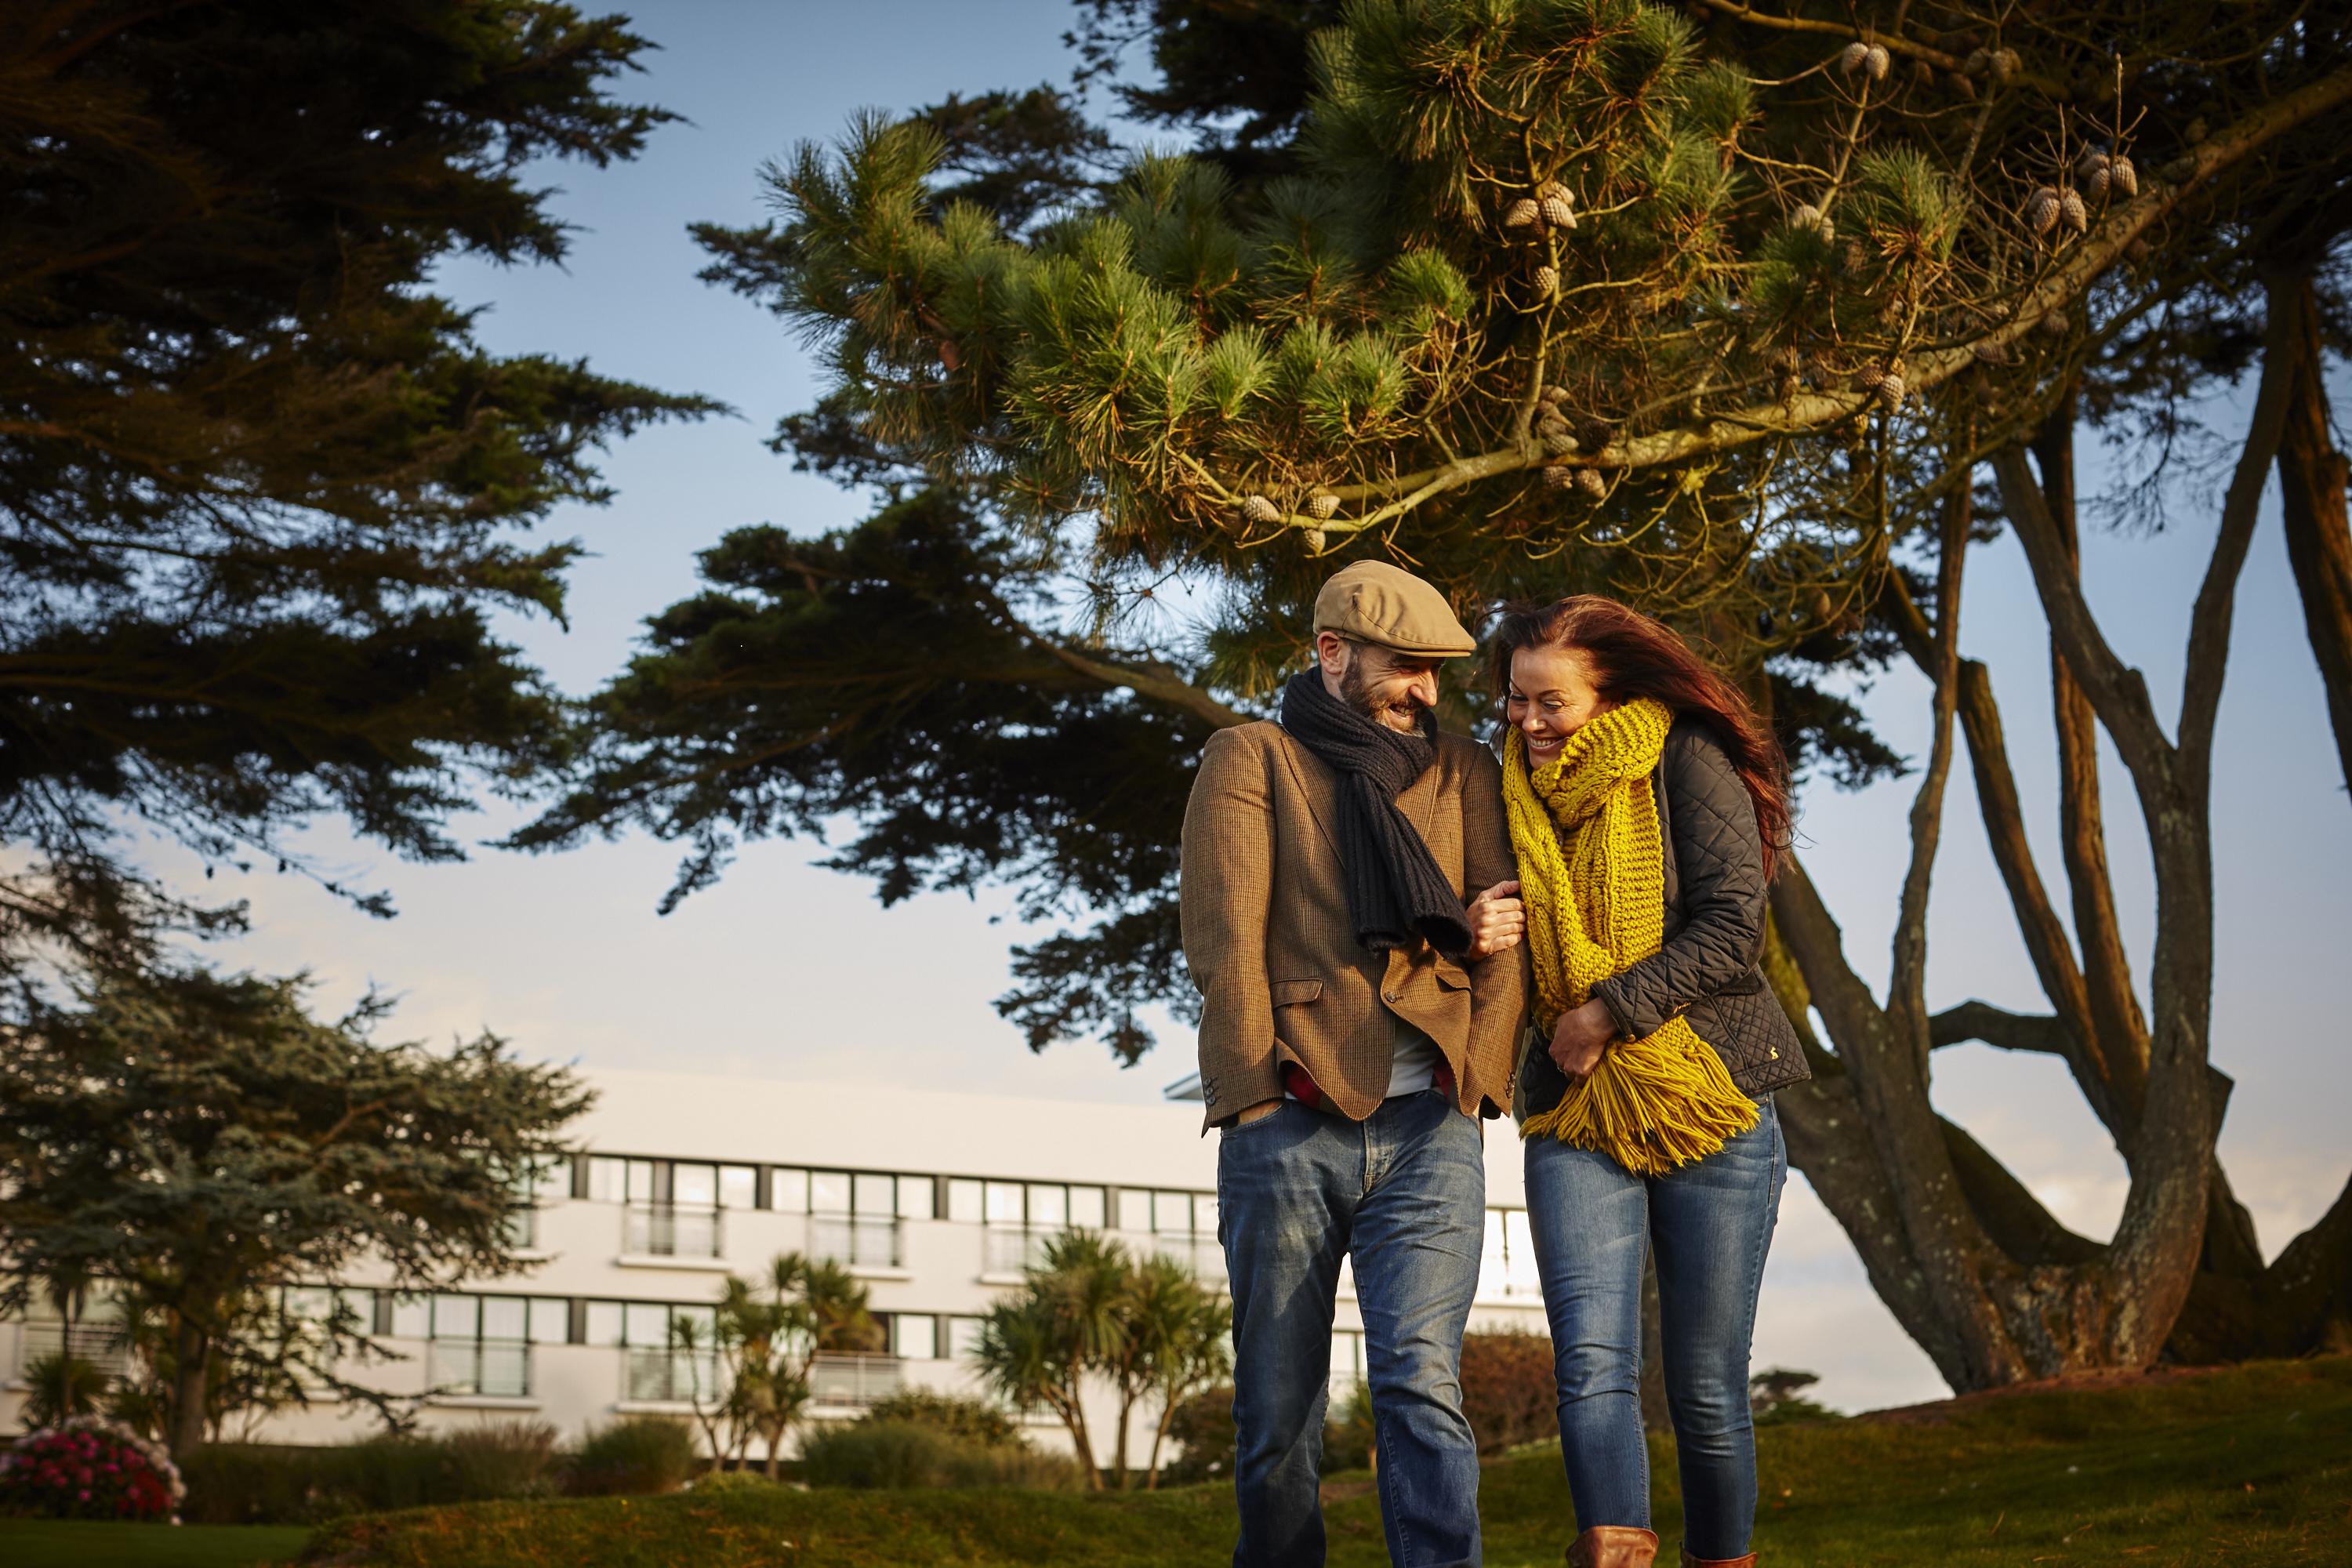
[[59, 1386], [636, 1453], [1777, 1395], [2155, 1472], [1510, 1394], [1349, 1431], [259, 489], [1201, 1434], [963, 744], [202, 1143], [252, 1483], [895, 1455], [959, 1415]]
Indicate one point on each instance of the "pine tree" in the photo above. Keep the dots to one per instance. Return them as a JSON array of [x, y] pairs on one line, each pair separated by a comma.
[[262, 496]]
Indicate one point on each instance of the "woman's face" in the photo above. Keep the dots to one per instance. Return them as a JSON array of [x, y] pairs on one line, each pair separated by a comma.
[[1552, 696]]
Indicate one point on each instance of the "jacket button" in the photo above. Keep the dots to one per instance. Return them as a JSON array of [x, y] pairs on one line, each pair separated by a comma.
[[1388, 997], [1776, 1053]]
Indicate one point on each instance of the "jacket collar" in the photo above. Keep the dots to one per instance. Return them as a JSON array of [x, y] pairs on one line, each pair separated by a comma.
[[1319, 785]]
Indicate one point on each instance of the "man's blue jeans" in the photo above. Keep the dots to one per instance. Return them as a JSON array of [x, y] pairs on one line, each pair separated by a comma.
[[1405, 1192], [1709, 1223]]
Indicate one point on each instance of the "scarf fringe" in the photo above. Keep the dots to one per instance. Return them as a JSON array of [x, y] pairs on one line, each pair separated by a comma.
[[1652, 1104]]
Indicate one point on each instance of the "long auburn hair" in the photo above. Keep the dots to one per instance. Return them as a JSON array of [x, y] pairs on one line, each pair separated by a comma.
[[1635, 656]]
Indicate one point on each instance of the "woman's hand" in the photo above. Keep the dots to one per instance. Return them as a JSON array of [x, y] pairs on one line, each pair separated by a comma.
[[1498, 921], [1579, 1037]]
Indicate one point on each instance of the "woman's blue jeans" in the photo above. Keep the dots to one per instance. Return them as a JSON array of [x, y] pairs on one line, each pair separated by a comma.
[[1709, 1222]]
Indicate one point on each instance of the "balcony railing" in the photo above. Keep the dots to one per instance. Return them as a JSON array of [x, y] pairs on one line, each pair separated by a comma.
[[862, 1241], [497, 1369], [654, 1375], [1200, 1254], [1005, 1249], [658, 1230], [103, 1345], [854, 1380]]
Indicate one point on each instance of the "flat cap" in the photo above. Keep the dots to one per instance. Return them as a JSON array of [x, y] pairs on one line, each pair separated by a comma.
[[1374, 602]]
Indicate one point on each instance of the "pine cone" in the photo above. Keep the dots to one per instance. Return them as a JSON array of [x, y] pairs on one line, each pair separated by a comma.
[[1990, 352], [1257, 509], [1553, 419], [2054, 324], [1558, 212], [1546, 281], [1890, 392], [2137, 251], [1786, 387], [1559, 476], [1321, 505], [2124, 176], [1979, 62], [2041, 210], [1961, 86], [1595, 435], [2094, 185], [1813, 218], [1553, 396], [2005, 64], [1523, 212], [2090, 163], [1853, 56], [1867, 378], [1589, 481], [2071, 208], [1314, 538], [1551, 189], [1854, 260], [1559, 442], [1876, 61], [1923, 74]]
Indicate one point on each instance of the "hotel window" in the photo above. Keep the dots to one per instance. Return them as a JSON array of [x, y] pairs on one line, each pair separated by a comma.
[[1022, 1216], [963, 1338], [853, 1215], [914, 1336], [656, 1368], [1508, 1266], [967, 1200], [481, 1344], [1184, 1227], [679, 1183]]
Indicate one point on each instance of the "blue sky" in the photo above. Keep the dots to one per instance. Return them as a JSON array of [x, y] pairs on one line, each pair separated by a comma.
[[786, 970]]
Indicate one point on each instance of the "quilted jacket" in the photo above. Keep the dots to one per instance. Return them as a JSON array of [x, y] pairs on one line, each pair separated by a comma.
[[1707, 968]]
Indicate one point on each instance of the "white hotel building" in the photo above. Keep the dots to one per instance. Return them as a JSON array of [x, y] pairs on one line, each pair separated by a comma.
[[935, 1200]]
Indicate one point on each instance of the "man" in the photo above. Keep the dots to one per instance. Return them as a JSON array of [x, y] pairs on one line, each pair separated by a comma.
[[1348, 1055]]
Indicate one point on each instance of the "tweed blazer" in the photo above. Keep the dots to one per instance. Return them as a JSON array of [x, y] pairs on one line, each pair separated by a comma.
[[1274, 953]]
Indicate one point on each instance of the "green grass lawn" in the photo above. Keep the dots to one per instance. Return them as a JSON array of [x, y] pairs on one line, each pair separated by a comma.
[[51, 1544], [2252, 1465]]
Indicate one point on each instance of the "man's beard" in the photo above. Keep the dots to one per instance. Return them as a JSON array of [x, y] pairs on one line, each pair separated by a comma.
[[1404, 713]]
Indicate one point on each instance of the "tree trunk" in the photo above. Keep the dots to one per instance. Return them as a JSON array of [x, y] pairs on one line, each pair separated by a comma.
[[2311, 477], [191, 1350]]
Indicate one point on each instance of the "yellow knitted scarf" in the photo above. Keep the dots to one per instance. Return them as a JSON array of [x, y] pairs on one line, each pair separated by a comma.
[[1594, 885]]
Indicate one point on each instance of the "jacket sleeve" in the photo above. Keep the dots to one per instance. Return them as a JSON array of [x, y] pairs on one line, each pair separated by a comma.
[[1719, 854], [1498, 982], [1225, 898]]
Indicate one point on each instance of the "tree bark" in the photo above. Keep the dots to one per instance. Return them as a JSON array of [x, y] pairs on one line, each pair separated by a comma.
[[2312, 477], [191, 1352]]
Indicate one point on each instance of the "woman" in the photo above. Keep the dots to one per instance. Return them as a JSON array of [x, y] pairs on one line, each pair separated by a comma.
[[1648, 808]]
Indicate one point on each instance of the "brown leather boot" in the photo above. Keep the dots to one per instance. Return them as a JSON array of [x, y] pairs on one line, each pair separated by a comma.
[[1613, 1546], [1691, 1561]]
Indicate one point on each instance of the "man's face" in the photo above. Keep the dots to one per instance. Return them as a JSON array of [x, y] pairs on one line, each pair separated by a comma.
[[1386, 687]]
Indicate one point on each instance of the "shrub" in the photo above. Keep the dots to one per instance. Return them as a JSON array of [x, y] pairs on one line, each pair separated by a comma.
[[902, 1454], [1777, 1395], [60, 1386], [88, 1468], [253, 1483], [718, 1482], [959, 1415], [1200, 1434], [636, 1453], [1348, 1432], [1509, 1390], [501, 1460]]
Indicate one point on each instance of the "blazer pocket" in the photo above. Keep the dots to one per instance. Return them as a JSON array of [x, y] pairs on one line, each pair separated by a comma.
[[1288, 993], [1451, 975]]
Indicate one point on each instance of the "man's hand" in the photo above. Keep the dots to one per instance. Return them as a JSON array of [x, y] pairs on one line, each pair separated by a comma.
[[1579, 1037], [1498, 921], [1262, 1107]]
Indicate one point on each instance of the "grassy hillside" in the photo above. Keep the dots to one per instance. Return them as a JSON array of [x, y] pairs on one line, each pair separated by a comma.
[[2250, 1464]]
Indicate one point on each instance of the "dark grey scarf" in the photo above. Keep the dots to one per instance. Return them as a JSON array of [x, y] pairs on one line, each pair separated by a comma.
[[1396, 894]]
